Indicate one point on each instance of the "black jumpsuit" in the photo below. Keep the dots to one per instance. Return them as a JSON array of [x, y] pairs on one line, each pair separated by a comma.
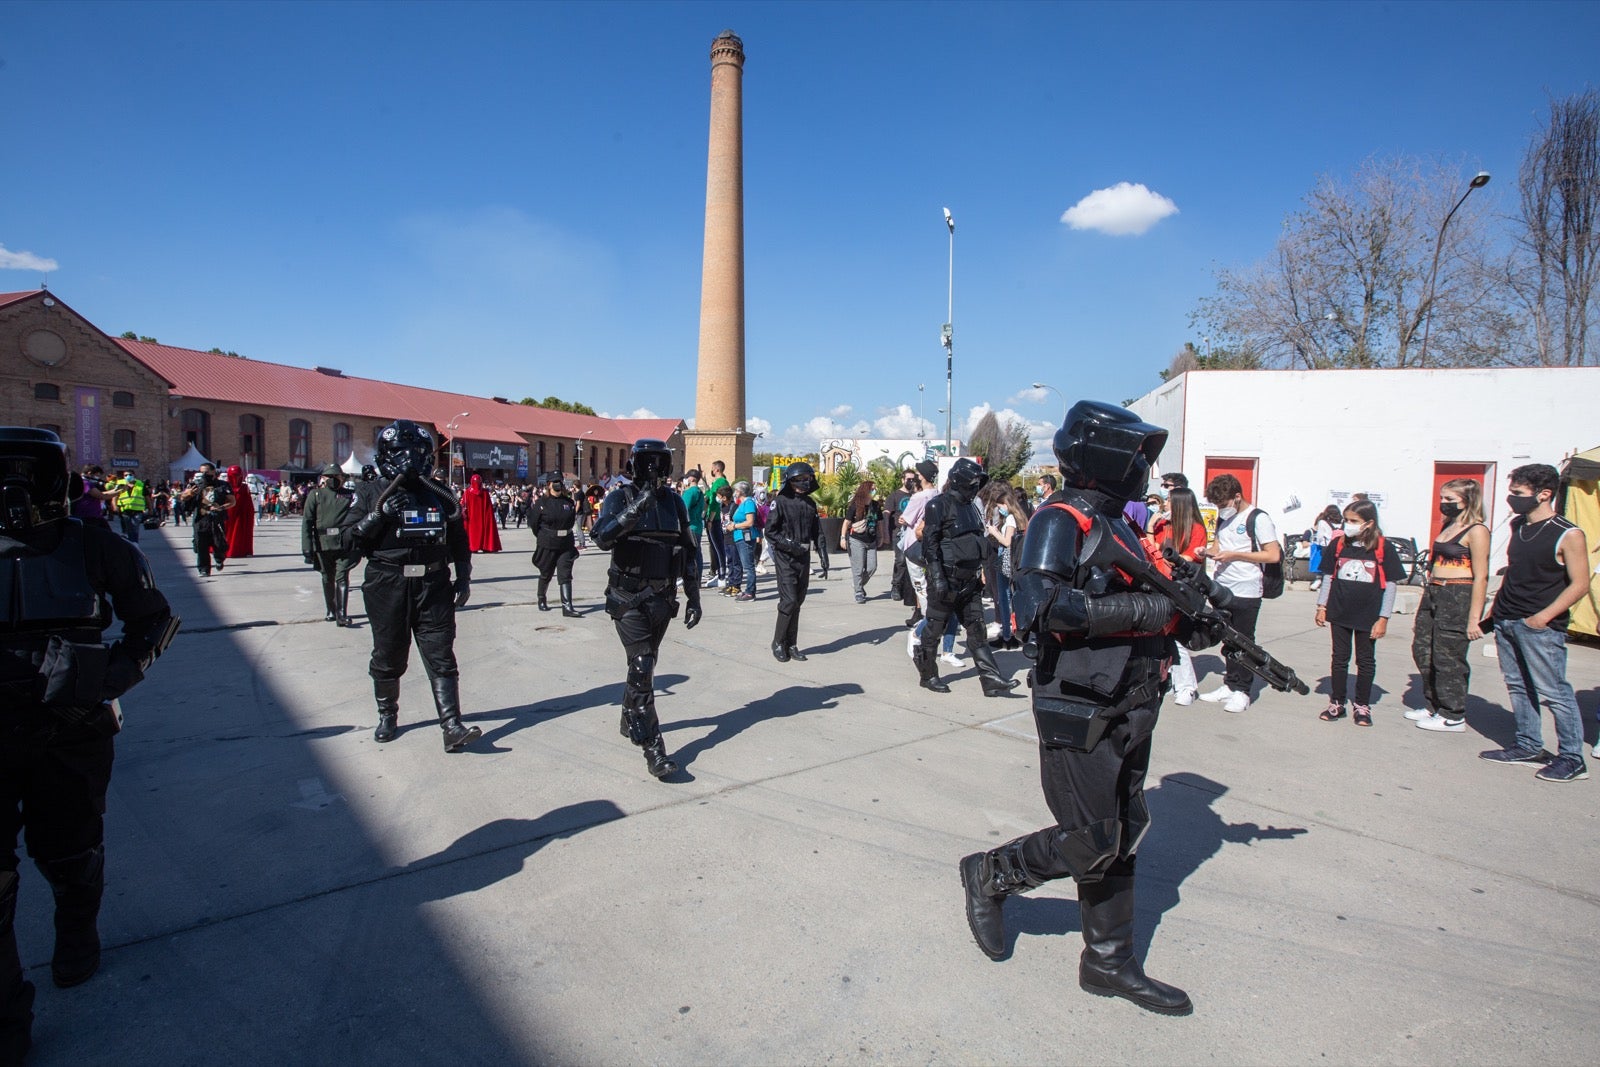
[[955, 548], [211, 503], [792, 528], [554, 520], [426, 538]]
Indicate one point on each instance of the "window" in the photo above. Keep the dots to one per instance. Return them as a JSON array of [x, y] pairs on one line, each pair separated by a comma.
[[299, 444], [197, 429], [561, 456], [594, 461], [341, 442], [541, 457], [46, 391], [608, 462], [252, 440], [123, 442], [122, 400], [377, 431]]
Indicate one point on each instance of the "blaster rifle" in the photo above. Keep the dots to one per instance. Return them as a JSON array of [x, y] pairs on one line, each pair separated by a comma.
[[1195, 596]]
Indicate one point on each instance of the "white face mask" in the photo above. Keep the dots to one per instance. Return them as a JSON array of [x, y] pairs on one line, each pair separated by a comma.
[[1225, 514], [1353, 529]]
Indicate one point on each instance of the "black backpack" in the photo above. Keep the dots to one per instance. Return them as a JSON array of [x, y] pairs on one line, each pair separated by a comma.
[[1271, 573]]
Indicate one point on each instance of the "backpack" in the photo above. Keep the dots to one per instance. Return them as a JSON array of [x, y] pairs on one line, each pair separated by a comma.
[[761, 516], [1271, 573], [1377, 556]]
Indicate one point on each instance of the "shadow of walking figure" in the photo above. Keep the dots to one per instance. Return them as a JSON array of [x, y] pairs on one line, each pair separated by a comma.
[[795, 700], [1185, 832]]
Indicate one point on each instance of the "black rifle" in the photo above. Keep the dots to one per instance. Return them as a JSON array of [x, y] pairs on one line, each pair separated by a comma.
[[1197, 598]]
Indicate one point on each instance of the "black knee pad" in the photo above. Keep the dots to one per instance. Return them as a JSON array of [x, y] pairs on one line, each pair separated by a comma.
[[1089, 851], [641, 672]]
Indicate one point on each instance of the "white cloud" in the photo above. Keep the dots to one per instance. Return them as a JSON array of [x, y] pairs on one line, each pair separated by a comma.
[[10, 260], [841, 412], [806, 437], [1126, 209], [759, 426], [900, 423], [641, 413]]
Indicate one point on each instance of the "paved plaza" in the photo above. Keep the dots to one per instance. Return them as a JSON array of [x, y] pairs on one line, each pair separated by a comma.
[[283, 890]]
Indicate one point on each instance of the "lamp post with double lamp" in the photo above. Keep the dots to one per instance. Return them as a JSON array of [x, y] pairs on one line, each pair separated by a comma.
[[947, 335], [1063, 396], [577, 456], [455, 449], [1478, 181], [922, 424]]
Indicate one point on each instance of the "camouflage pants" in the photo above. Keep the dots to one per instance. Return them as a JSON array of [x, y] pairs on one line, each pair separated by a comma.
[[1439, 648]]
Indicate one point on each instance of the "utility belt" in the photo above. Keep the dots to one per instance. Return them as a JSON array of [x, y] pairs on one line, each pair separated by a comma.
[[1451, 581], [1065, 723], [409, 570], [656, 597]]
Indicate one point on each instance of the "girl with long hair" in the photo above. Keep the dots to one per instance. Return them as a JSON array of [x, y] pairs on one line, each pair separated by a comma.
[[1005, 522], [863, 529], [1452, 605], [1185, 530], [1355, 603]]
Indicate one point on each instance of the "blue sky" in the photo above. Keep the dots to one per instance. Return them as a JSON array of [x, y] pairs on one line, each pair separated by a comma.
[[507, 199]]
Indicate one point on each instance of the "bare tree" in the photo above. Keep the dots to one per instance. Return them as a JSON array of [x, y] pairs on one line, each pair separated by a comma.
[[1556, 265], [1004, 447]]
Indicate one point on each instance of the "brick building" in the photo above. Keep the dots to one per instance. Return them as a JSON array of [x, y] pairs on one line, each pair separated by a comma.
[[139, 405]]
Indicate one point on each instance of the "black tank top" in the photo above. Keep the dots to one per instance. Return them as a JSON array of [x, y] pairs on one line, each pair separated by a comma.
[[1534, 576]]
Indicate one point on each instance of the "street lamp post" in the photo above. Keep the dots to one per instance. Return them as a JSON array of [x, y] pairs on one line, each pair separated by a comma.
[[577, 456], [1478, 181], [450, 428], [1063, 396], [947, 337], [922, 426]]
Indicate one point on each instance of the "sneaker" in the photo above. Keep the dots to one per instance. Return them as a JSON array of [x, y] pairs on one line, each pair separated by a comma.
[[746, 597], [1440, 724], [911, 644], [1418, 714], [1217, 695], [1184, 697], [1517, 756], [862, 599], [1236, 702], [1595, 751], [1563, 769], [951, 660]]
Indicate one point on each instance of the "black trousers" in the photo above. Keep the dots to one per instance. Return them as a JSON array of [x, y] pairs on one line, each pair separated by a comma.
[[555, 563], [719, 563], [1244, 611], [210, 539], [1439, 648], [1097, 799], [641, 629], [400, 609], [54, 797], [794, 580], [968, 609], [1366, 662]]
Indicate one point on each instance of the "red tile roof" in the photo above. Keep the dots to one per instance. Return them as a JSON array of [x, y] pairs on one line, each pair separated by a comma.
[[12, 298]]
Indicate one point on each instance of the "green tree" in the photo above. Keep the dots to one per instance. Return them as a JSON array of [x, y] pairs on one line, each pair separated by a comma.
[[1004, 448], [129, 335], [555, 403]]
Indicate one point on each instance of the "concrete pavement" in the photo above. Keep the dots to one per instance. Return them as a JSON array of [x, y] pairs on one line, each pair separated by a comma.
[[284, 890]]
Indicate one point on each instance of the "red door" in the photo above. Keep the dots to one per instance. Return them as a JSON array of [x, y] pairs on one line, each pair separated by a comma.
[[1482, 473], [1242, 469]]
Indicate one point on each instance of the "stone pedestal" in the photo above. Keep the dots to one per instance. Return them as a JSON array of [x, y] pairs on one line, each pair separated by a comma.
[[733, 447]]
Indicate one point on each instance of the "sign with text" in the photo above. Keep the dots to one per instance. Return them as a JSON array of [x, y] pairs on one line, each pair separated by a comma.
[[482, 455], [87, 404]]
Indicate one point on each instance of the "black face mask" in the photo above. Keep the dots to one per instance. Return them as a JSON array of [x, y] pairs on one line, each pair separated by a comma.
[[1522, 505], [1449, 511]]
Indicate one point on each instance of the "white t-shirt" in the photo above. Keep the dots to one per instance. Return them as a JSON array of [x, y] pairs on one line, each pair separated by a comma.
[[1242, 577]]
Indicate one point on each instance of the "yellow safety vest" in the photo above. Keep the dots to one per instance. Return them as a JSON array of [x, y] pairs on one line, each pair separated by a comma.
[[131, 497]]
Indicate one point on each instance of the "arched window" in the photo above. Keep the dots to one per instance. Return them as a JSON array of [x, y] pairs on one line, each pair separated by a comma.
[[122, 399], [299, 444], [197, 429], [252, 440], [541, 457], [123, 442], [341, 442], [609, 468], [46, 391], [594, 462]]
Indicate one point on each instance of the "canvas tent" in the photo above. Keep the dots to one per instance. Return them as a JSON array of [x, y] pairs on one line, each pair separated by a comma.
[[1580, 476], [351, 465], [180, 469]]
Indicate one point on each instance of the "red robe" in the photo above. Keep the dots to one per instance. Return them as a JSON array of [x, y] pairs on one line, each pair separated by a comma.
[[239, 525], [483, 535]]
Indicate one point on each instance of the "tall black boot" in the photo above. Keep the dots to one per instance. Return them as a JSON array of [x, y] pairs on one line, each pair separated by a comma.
[[544, 588], [1108, 967], [567, 609], [989, 676], [16, 995], [644, 730], [387, 691], [990, 877], [327, 597], [928, 670], [78, 883], [341, 588], [447, 698]]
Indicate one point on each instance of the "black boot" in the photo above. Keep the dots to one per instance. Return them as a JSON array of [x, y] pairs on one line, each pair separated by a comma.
[[994, 684], [567, 609], [990, 877], [387, 691], [341, 589], [544, 588], [16, 995], [78, 883], [780, 638], [447, 698], [327, 597], [644, 730], [928, 671], [1108, 967], [780, 652], [791, 639]]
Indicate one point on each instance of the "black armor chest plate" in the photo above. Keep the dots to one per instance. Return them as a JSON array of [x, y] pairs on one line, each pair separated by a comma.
[[421, 522], [651, 550], [51, 591]]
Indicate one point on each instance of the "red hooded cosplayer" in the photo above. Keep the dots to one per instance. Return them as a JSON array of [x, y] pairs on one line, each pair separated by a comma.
[[239, 526], [482, 533]]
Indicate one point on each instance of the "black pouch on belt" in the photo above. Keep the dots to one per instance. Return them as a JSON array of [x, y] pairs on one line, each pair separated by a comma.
[[74, 675]]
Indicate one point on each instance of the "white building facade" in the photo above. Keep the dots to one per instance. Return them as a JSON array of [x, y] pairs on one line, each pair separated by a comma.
[[1300, 440]]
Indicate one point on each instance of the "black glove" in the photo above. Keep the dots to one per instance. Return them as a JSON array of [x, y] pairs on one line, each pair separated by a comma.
[[311, 559], [939, 590], [463, 591], [691, 614]]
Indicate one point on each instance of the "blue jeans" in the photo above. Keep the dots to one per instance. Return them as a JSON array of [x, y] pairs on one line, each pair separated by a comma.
[[1534, 663], [747, 563], [132, 523], [1002, 603], [948, 641]]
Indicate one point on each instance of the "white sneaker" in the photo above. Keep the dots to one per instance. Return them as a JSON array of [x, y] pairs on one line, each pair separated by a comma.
[[1184, 697], [1236, 702], [911, 644], [1440, 724], [1217, 695], [951, 660], [1418, 714]]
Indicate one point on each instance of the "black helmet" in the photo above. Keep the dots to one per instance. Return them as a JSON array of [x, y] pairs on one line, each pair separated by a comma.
[[33, 478], [965, 479], [651, 461], [801, 477], [1108, 449], [404, 448], [369, 473]]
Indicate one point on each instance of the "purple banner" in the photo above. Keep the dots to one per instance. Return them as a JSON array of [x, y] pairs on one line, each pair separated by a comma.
[[88, 408]]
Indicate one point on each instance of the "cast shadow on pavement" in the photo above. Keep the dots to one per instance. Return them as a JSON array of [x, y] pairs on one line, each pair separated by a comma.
[[795, 700], [865, 637], [515, 719], [1185, 832]]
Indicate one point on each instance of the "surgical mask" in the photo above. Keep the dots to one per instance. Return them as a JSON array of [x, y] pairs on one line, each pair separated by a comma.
[[1224, 514], [1449, 510], [1353, 529], [1522, 505]]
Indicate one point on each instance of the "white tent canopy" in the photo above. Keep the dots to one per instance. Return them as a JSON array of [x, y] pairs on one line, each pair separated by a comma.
[[351, 465], [179, 468]]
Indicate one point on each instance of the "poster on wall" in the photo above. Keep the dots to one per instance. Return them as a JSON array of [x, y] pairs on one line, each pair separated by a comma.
[[87, 405], [779, 465]]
